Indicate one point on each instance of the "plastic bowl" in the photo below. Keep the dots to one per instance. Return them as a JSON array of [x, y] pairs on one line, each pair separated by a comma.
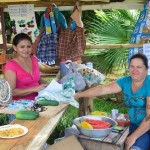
[[94, 133]]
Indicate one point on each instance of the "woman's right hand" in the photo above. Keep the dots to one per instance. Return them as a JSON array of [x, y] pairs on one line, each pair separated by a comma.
[[40, 87]]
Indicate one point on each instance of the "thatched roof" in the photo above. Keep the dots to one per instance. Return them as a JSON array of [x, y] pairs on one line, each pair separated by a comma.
[[85, 4]]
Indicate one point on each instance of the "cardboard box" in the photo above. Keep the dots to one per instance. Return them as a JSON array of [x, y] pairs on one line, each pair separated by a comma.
[[68, 143]]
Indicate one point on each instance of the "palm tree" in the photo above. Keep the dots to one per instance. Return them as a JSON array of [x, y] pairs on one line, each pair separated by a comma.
[[109, 27]]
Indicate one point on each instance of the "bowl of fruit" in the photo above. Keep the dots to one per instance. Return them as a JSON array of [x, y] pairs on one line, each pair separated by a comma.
[[94, 126]]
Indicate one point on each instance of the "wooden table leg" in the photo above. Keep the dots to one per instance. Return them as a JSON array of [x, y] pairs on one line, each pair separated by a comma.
[[85, 106]]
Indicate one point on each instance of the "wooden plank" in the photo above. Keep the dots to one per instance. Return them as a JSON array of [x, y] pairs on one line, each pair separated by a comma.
[[97, 145], [38, 129], [109, 46], [6, 1], [113, 5], [112, 46], [68, 143], [123, 137], [45, 132], [95, 0]]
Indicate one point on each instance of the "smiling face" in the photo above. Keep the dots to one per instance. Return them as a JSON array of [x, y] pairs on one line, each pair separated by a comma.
[[137, 69], [23, 48]]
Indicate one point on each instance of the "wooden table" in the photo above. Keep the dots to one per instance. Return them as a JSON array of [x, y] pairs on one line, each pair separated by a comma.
[[39, 130], [114, 141]]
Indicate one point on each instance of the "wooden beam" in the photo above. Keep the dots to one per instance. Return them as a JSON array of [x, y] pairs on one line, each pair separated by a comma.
[[105, 46], [85, 4], [113, 5], [95, 0], [113, 46]]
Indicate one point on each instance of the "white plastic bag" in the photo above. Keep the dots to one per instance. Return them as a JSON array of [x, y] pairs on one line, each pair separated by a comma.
[[90, 75]]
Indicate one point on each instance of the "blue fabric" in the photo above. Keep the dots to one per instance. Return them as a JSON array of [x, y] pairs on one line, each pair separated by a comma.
[[46, 49], [143, 142], [135, 101]]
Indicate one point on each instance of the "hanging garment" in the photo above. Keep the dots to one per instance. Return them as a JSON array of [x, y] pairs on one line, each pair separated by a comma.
[[71, 43], [45, 44], [46, 49]]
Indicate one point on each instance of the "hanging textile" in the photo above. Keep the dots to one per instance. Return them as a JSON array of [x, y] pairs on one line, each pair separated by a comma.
[[71, 40], [141, 31], [46, 42]]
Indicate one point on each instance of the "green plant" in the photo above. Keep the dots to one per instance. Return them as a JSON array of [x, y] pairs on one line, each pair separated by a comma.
[[4, 119], [109, 27]]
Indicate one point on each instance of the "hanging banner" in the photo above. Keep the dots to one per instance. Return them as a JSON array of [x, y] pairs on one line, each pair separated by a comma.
[[146, 51], [23, 20], [141, 31]]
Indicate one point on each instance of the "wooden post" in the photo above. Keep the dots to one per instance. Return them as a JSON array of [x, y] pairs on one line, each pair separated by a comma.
[[85, 106]]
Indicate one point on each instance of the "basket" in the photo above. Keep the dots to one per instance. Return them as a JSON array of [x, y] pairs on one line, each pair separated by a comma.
[[5, 92]]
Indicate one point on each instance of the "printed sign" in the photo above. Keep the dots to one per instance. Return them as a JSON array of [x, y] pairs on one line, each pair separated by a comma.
[[23, 19]]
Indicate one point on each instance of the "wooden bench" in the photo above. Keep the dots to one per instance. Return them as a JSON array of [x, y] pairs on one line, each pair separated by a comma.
[[114, 141]]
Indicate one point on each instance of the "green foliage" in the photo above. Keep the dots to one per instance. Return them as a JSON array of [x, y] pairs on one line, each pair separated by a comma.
[[109, 27], [4, 119], [101, 104]]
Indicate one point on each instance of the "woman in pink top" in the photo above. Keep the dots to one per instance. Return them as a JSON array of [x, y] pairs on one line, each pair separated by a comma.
[[22, 72]]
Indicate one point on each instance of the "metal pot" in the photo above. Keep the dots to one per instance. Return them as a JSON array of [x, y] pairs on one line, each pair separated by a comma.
[[95, 133]]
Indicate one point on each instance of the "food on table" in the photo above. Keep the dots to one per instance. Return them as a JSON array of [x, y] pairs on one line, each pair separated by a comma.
[[45, 102], [86, 125], [99, 113], [95, 124], [27, 115], [12, 132]]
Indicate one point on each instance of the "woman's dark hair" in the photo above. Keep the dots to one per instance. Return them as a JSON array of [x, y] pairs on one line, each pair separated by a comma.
[[19, 37], [142, 57]]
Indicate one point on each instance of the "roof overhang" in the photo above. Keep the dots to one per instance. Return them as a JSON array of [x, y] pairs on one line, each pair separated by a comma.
[[85, 4]]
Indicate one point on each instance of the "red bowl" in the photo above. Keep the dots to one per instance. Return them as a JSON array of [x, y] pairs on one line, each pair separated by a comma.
[[123, 122]]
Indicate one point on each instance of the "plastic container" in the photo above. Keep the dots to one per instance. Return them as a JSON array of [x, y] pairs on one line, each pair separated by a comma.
[[89, 64], [114, 113]]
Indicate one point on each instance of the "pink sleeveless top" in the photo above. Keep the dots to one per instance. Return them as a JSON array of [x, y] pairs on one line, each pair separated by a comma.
[[23, 78]]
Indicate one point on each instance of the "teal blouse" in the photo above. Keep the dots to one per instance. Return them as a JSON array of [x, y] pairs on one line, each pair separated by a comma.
[[135, 101]]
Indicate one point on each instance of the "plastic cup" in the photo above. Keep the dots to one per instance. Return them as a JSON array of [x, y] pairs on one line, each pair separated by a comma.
[[115, 113]]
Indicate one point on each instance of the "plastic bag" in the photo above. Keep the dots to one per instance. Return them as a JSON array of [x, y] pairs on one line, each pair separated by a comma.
[[73, 75], [90, 75], [63, 96]]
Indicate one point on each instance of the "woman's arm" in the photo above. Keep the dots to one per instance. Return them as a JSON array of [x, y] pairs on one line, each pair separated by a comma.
[[99, 90], [10, 76], [144, 127]]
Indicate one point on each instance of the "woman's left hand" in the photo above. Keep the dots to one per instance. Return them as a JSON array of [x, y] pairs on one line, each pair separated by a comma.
[[129, 142]]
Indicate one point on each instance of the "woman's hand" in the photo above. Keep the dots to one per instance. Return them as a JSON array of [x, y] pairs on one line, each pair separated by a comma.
[[129, 142], [40, 87], [76, 96]]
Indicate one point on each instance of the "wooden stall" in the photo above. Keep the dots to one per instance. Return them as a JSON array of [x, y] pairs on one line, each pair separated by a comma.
[[64, 5]]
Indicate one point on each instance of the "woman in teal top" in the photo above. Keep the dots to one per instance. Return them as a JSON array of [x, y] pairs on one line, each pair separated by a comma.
[[136, 94]]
